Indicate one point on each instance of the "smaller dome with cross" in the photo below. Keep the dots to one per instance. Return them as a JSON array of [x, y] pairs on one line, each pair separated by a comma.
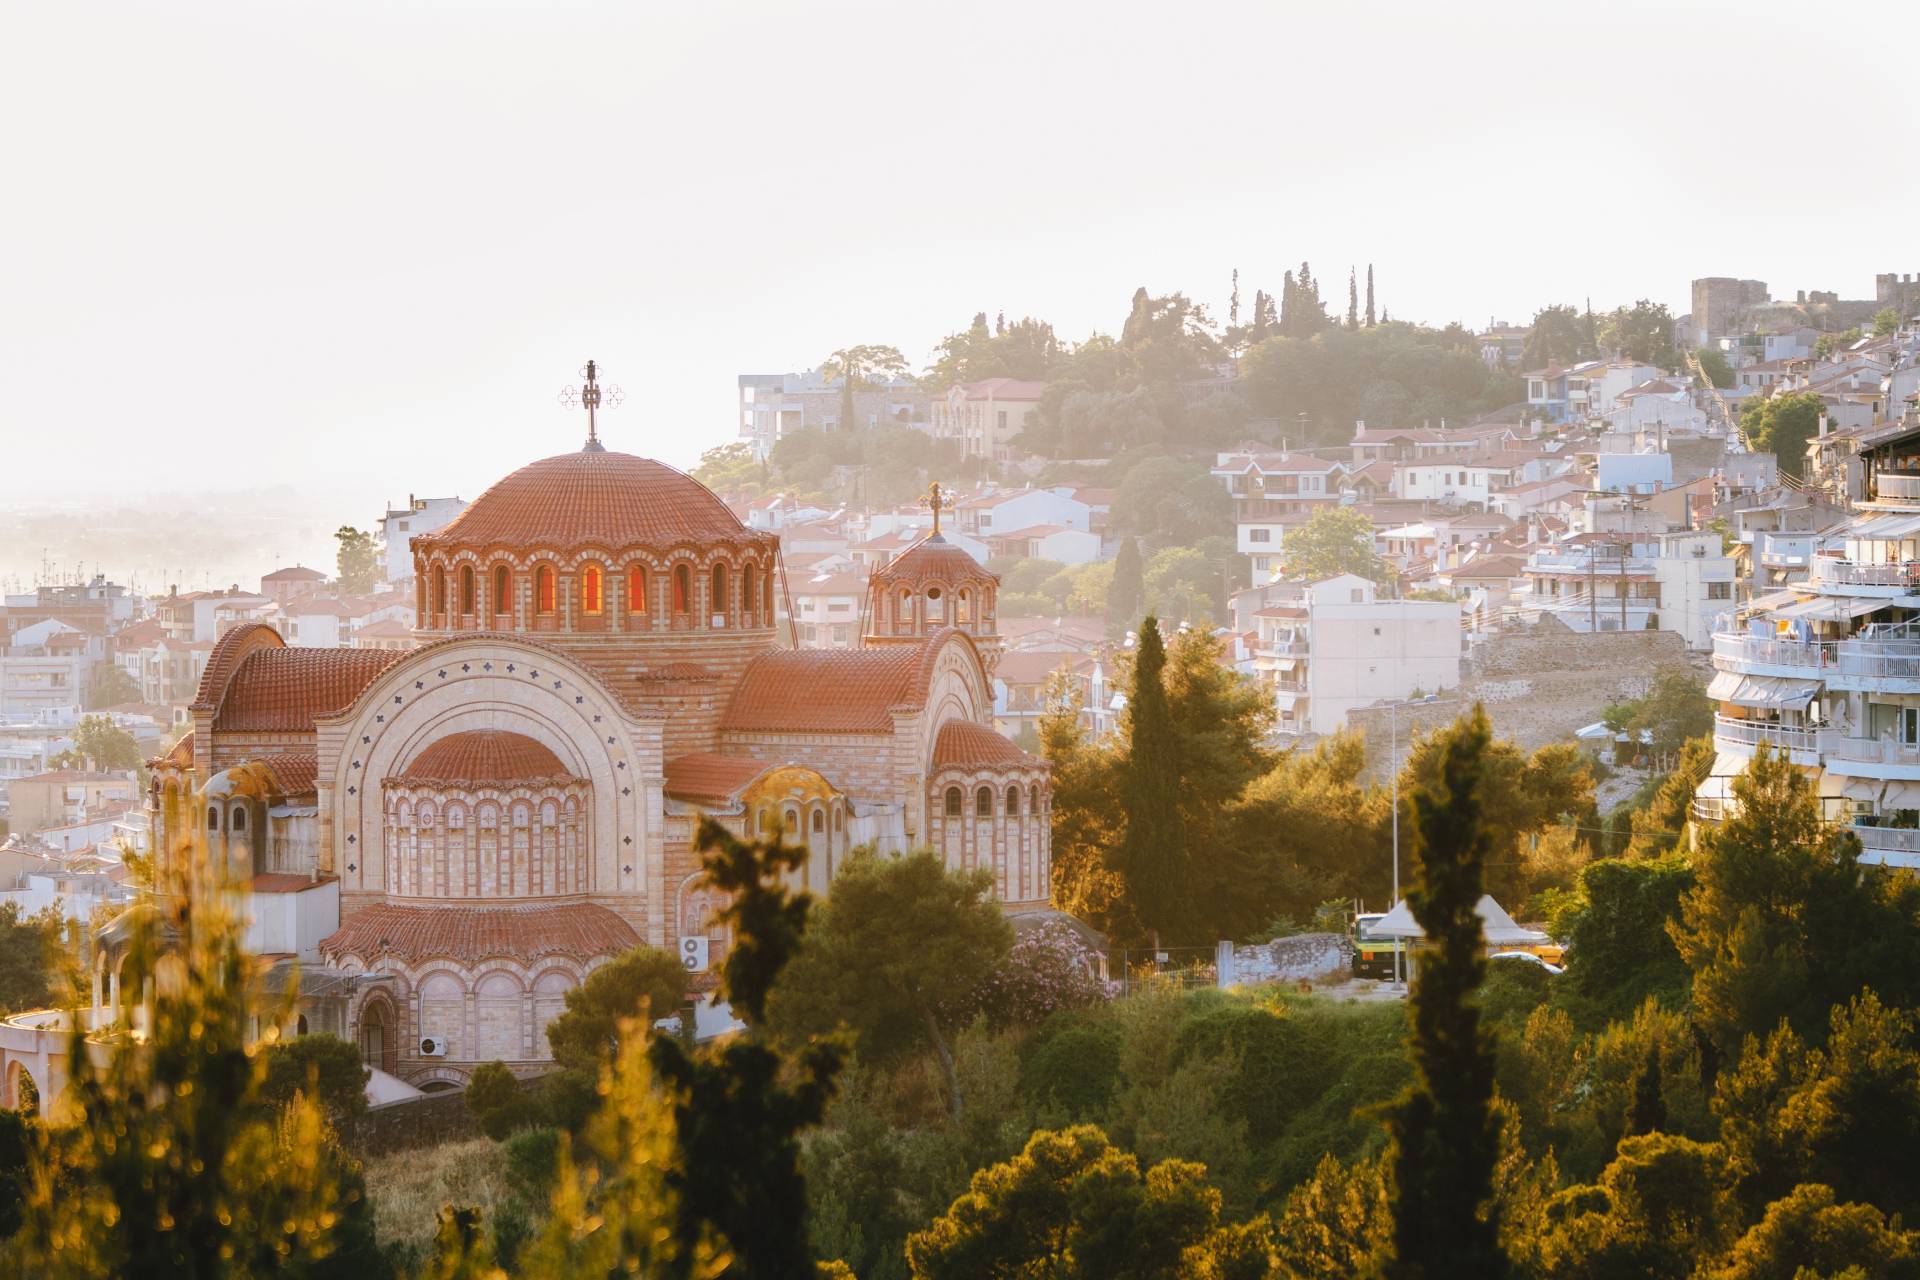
[[932, 585]]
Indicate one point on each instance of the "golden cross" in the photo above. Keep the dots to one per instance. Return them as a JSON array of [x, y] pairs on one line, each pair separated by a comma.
[[936, 500]]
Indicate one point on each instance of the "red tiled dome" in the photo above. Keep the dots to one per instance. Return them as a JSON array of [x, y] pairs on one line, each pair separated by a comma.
[[962, 743], [932, 559], [593, 498], [483, 757]]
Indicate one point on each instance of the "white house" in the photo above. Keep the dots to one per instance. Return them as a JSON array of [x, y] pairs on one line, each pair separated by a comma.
[[401, 525], [998, 513]]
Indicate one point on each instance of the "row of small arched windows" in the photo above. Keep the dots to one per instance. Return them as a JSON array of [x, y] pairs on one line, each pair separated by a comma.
[[238, 822], [790, 822], [755, 588], [983, 802], [486, 815]]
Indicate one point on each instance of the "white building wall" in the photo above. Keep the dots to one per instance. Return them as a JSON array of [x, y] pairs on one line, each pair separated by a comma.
[[1362, 653], [397, 533]]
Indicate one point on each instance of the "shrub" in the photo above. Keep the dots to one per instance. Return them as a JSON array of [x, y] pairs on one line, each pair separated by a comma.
[[1047, 970], [496, 1099], [326, 1068], [532, 1156], [1075, 1070]]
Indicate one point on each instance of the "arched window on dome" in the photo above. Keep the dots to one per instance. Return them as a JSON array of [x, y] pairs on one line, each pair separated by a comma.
[[682, 589], [593, 591], [903, 619], [502, 590], [954, 801], [213, 818], [717, 603], [936, 605], [636, 588], [1013, 802], [746, 589], [766, 591], [466, 590], [963, 607], [819, 821], [983, 803], [544, 593], [439, 589]]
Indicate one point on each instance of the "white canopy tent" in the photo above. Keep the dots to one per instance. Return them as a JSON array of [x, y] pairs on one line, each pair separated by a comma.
[[1497, 926]]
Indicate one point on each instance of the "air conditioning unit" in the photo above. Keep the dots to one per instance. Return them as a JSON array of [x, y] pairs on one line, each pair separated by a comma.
[[693, 954], [432, 1047]]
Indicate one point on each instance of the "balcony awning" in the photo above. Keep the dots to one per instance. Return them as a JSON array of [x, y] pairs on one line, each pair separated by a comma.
[[1832, 608], [1891, 528], [1773, 693]]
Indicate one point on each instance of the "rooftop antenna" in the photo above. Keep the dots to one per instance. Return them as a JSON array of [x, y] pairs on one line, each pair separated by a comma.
[[589, 395]]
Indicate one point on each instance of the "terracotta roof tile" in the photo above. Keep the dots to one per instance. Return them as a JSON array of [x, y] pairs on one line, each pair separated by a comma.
[[824, 691], [469, 935], [293, 772], [180, 754], [932, 559], [962, 743], [277, 690], [286, 882], [75, 775], [611, 500], [482, 757], [702, 775]]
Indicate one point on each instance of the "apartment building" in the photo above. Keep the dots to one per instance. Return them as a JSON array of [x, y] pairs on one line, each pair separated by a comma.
[[1273, 491], [1327, 647], [1827, 671], [1624, 581]]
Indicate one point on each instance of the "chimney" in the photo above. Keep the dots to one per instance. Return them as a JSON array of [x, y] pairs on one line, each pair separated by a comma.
[[1823, 424], [1359, 425]]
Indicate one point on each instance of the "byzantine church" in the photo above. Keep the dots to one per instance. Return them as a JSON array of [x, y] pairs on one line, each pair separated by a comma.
[[447, 839]]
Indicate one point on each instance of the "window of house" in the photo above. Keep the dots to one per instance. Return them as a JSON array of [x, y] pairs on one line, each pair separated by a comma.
[[819, 821], [636, 589], [682, 588], [213, 818], [746, 586], [719, 598], [1356, 595], [439, 589], [1259, 535], [239, 820], [983, 803], [953, 802], [545, 595], [593, 590], [502, 589], [466, 589], [1719, 591], [1013, 802]]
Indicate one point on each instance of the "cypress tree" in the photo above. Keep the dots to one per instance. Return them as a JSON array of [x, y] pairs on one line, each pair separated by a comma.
[[1289, 304], [1233, 302], [1129, 584], [1153, 855], [1353, 301], [1370, 320], [1446, 1136]]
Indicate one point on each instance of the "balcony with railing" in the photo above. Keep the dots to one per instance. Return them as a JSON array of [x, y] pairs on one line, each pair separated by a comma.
[[1799, 743], [1891, 486], [1886, 757], [1768, 656], [1888, 840], [1844, 577]]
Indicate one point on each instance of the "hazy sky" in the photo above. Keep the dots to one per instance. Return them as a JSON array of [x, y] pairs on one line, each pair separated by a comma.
[[359, 248]]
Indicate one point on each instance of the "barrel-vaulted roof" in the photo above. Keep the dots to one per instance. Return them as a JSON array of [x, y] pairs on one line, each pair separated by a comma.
[[484, 757]]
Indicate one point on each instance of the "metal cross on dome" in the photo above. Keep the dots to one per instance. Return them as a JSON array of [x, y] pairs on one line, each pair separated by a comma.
[[591, 395], [936, 500]]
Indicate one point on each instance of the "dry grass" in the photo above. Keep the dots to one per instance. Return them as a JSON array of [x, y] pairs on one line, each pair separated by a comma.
[[408, 1188]]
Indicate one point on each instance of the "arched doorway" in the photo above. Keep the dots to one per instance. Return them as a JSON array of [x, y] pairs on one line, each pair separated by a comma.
[[379, 1034]]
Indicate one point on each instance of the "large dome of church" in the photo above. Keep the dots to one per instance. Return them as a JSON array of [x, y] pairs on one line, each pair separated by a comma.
[[593, 498]]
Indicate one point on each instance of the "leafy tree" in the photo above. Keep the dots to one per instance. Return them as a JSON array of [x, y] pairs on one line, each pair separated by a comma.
[[1071, 1206], [1807, 1234], [1335, 540], [1675, 710], [1026, 349], [1191, 583], [357, 565], [1445, 1138], [1783, 922], [1641, 332], [35, 966], [170, 1164], [1169, 337], [646, 983], [1843, 1115], [1171, 502], [99, 743], [1353, 301], [1153, 857], [1828, 344], [108, 685], [861, 368], [1320, 830], [1619, 948], [1713, 362], [1782, 426], [1336, 1224], [325, 1068], [1649, 1114], [497, 1101], [1087, 817], [733, 468], [1885, 321], [739, 1107], [1555, 338], [1124, 596], [897, 956], [1659, 1209]]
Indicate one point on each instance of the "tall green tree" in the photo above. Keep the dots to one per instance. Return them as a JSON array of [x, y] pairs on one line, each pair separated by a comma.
[[1153, 853], [1335, 540], [897, 957], [1445, 1135], [1554, 338], [1124, 596], [108, 685], [35, 966], [356, 564], [1370, 320], [645, 983], [1643, 331], [1783, 426], [1353, 301], [99, 743], [1783, 921], [739, 1107]]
